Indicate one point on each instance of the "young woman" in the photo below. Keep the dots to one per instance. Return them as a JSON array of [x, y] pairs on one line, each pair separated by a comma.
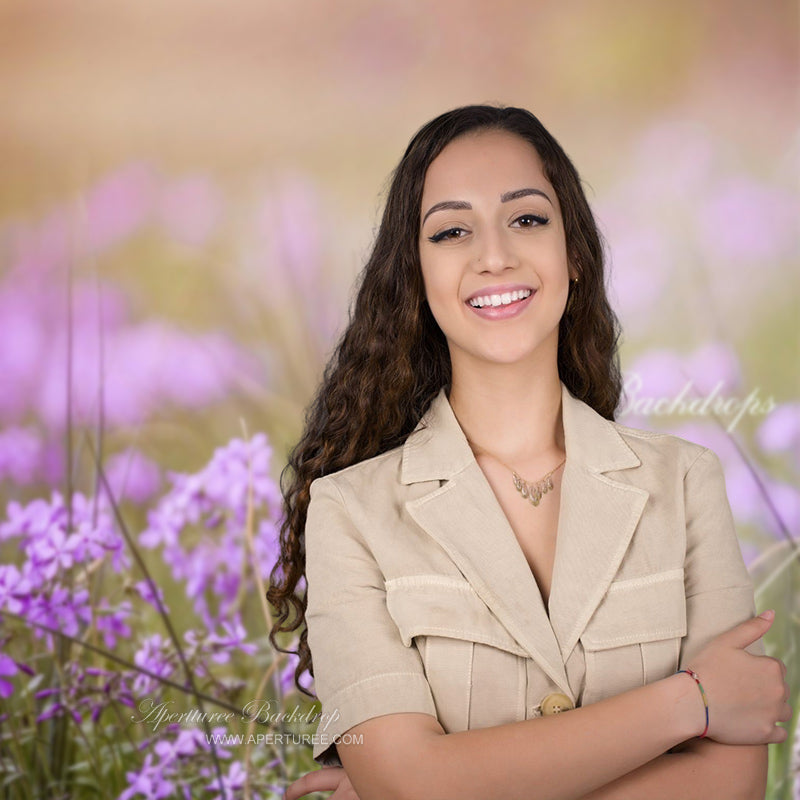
[[503, 582]]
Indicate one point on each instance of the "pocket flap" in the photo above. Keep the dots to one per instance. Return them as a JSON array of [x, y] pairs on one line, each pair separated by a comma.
[[641, 609], [437, 605]]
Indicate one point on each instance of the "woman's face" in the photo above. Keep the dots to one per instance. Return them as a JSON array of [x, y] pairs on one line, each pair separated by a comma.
[[493, 251]]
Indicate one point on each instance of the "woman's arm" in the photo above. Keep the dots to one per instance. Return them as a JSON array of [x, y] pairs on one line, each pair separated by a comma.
[[569, 755], [702, 770], [725, 771], [408, 756]]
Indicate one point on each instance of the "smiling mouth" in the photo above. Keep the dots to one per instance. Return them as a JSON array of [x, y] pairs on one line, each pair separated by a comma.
[[495, 300]]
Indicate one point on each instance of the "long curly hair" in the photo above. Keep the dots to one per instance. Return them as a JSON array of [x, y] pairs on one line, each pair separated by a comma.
[[392, 359]]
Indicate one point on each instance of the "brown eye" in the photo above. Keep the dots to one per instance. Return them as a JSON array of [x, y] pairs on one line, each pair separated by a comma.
[[531, 220], [450, 233]]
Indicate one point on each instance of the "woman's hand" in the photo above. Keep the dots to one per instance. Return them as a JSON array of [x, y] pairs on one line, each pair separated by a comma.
[[322, 780], [747, 695]]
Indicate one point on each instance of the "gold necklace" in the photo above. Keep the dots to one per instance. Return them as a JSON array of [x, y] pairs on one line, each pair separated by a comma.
[[533, 491]]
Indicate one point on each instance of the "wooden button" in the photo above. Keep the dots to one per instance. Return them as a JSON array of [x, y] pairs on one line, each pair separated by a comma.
[[556, 703]]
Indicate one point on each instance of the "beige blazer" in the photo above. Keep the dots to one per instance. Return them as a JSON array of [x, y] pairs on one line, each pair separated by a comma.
[[420, 597]]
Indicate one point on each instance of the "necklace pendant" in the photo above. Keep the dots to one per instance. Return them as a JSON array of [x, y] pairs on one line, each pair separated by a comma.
[[533, 491]]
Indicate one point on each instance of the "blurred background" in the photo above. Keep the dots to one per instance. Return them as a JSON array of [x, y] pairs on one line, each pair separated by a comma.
[[189, 189], [210, 175]]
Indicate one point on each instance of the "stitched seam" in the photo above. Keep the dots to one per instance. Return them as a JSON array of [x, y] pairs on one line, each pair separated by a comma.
[[747, 586], [700, 455], [341, 498], [642, 650], [638, 433], [471, 664], [620, 640], [444, 581], [378, 677], [469, 636], [646, 580]]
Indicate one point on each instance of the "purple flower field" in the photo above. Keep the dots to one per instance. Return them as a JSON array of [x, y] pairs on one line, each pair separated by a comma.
[[140, 518]]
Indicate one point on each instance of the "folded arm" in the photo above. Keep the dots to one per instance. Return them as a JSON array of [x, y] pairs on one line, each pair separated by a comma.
[[401, 756], [700, 769]]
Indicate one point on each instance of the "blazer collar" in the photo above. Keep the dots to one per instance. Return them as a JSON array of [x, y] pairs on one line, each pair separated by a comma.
[[597, 518], [438, 448]]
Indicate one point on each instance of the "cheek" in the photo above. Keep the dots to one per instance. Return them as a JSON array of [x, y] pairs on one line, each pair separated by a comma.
[[435, 289]]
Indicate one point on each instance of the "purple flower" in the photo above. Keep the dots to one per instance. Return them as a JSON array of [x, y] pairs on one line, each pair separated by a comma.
[[186, 743], [145, 365], [786, 500], [111, 621], [780, 431], [15, 589], [143, 590], [61, 609], [154, 655], [287, 674], [636, 291], [8, 668], [287, 233], [118, 205], [233, 639], [141, 366], [52, 551], [663, 382], [149, 782], [214, 502], [770, 232], [233, 781], [50, 548], [657, 373], [132, 476], [30, 520], [713, 363]]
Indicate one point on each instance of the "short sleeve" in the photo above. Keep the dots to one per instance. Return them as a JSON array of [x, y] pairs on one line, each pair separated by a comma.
[[719, 590], [362, 669]]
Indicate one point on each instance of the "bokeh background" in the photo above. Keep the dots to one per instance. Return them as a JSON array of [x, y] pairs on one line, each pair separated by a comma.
[[188, 190]]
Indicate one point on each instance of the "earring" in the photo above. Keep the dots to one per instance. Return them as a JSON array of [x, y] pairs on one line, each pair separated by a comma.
[[570, 299]]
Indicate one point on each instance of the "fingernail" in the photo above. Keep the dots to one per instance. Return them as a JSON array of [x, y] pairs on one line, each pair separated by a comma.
[[769, 614]]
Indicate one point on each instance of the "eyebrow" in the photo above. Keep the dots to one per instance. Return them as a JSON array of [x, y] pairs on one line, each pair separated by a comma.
[[462, 205]]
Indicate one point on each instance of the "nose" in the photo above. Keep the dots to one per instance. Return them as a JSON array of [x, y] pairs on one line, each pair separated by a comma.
[[494, 252]]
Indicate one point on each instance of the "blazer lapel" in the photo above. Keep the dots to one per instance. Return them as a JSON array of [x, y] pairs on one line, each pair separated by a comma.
[[596, 521], [598, 515]]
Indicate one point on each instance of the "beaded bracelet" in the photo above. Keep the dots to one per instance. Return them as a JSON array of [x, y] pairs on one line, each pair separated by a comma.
[[692, 674]]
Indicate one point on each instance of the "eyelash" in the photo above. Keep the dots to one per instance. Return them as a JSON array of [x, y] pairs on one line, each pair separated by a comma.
[[540, 219]]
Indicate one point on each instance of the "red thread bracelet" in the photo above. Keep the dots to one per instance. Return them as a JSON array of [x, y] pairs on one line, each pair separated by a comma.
[[692, 674]]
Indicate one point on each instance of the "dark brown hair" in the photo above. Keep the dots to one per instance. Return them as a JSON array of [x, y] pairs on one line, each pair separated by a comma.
[[392, 359]]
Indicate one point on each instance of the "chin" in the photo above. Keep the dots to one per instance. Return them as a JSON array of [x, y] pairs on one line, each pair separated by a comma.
[[507, 356]]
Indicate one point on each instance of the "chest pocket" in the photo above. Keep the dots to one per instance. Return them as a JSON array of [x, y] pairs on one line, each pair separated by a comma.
[[634, 636], [475, 668]]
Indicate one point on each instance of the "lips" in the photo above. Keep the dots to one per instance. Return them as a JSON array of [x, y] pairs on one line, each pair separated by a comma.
[[499, 298], [499, 289], [500, 302]]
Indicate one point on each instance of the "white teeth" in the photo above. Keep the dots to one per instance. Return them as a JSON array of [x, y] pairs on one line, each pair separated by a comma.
[[499, 299]]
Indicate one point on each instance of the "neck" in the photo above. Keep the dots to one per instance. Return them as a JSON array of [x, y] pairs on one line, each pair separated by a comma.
[[511, 413]]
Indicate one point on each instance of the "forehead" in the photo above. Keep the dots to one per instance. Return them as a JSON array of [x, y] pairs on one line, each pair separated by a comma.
[[490, 162]]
